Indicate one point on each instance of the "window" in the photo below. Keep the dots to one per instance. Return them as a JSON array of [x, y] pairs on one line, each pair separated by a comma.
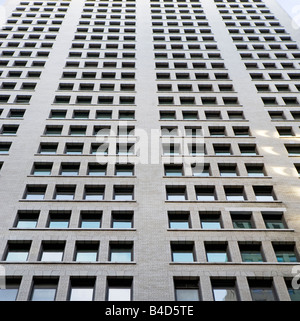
[[264, 193], [217, 131], [125, 148], [119, 289], [285, 252], [26, 219], [121, 251], [251, 252], [122, 219], [17, 251], [123, 193], [10, 292], [82, 289], [200, 170], [4, 148], [73, 149], [228, 170], [48, 148], [248, 150], [210, 220], [94, 192], [69, 169], [167, 115], [261, 290], [242, 220], [273, 220], [58, 219], [96, 169], [216, 252], [176, 193], [294, 293], [255, 170], [183, 252], [35, 192], [53, 130], [224, 290], [86, 251], [42, 169], [124, 169], [44, 289], [77, 130], [222, 150], [186, 289], [58, 114], [171, 149], [179, 220], [52, 252], [234, 193], [205, 193], [64, 192], [16, 113], [90, 219], [126, 115], [103, 114], [293, 150], [99, 149], [173, 170]]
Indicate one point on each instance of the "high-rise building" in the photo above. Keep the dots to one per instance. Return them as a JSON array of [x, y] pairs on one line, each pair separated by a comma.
[[149, 150]]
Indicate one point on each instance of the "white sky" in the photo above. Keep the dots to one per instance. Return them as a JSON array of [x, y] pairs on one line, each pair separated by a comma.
[[292, 7]]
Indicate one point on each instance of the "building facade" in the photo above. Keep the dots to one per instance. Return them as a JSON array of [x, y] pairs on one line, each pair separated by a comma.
[[149, 150]]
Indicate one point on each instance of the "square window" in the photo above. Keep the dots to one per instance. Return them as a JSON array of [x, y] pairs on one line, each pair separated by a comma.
[[264, 193], [10, 292], [90, 219], [123, 193], [35, 192], [183, 252], [242, 220], [187, 289], [96, 169], [119, 289], [121, 252], [26, 219], [82, 289], [59, 219], [94, 192], [17, 252], [216, 252], [44, 290], [228, 170], [274, 220], [42, 169], [58, 114], [122, 220], [86, 252], [200, 170], [179, 220], [251, 252], [124, 169], [205, 193], [255, 170], [235, 193], [173, 170], [210, 220], [64, 192], [52, 252], [224, 290], [261, 290], [73, 149], [176, 193]]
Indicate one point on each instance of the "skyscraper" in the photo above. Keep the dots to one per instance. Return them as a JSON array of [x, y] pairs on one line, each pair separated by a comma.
[[149, 150]]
